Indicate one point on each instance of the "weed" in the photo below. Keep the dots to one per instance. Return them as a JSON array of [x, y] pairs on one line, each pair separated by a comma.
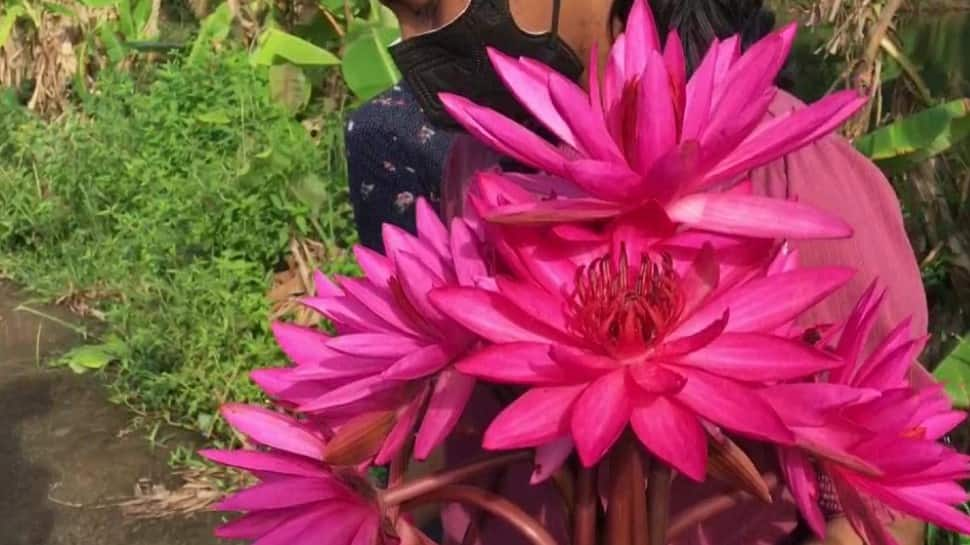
[[168, 202]]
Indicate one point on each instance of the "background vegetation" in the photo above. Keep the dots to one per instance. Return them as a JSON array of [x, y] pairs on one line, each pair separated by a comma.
[[173, 169]]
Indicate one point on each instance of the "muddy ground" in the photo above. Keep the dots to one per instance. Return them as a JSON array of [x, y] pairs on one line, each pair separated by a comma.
[[67, 455]]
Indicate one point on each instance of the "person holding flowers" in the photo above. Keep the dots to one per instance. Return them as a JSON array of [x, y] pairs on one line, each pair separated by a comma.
[[673, 338]]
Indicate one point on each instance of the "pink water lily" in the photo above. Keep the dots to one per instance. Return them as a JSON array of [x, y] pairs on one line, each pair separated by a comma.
[[394, 351], [298, 498], [874, 435], [648, 134], [608, 344]]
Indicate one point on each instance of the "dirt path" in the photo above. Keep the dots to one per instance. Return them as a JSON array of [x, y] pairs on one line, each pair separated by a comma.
[[64, 459]]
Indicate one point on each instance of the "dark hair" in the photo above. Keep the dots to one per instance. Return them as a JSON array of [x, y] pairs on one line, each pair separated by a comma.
[[699, 22]]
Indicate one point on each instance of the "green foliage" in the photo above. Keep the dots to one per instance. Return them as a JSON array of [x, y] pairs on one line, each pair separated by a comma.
[[212, 30], [909, 141], [288, 87], [367, 66], [93, 357], [954, 372], [275, 44], [168, 205]]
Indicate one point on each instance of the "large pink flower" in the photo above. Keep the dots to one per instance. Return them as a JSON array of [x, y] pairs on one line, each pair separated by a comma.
[[605, 343], [650, 135], [394, 350], [873, 435], [299, 500]]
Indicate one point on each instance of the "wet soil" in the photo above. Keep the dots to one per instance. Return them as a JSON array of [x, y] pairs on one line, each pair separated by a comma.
[[65, 456]]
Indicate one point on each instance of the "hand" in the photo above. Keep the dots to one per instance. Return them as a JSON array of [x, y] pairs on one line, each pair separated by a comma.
[[840, 532]]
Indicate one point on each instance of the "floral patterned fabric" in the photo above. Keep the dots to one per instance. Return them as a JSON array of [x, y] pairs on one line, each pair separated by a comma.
[[394, 156]]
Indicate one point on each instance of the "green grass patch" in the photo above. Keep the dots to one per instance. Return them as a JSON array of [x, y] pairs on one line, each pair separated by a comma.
[[169, 199]]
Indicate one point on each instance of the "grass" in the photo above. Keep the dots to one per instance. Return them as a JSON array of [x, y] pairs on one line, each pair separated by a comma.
[[166, 202]]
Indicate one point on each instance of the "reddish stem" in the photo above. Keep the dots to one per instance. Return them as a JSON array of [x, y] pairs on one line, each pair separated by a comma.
[[408, 491], [658, 490], [584, 515], [712, 507], [395, 475], [638, 497], [619, 524], [476, 520], [492, 503]]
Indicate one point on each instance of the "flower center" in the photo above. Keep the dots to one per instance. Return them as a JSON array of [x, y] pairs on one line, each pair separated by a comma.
[[624, 310]]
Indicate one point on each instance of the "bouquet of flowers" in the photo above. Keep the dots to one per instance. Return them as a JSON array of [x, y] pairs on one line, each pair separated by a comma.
[[624, 321]]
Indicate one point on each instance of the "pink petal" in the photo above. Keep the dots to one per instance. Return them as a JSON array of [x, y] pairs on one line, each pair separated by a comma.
[[657, 136], [756, 216], [677, 169], [466, 252], [607, 180], [529, 85], [700, 90], [808, 404], [722, 139], [588, 126], [420, 363], [701, 280], [550, 458], [614, 79], [491, 316], [938, 513], [787, 133], [768, 303], [691, 343], [338, 521], [539, 416], [641, 37], [864, 521], [759, 357], [375, 345], [380, 303], [673, 434], [273, 429], [803, 484], [593, 83], [656, 379], [752, 75], [368, 532], [403, 429], [733, 406], [302, 345], [253, 525], [892, 370], [452, 391], [677, 68], [515, 363], [504, 135], [728, 53], [324, 287], [541, 184], [349, 393], [272, 462], [581, 362], [430, 228], [288, 492], [398, 241], [554, 211], [600, 416], [340, 366], [377, 268], [417, 280], [348, 314], [534, 301]]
